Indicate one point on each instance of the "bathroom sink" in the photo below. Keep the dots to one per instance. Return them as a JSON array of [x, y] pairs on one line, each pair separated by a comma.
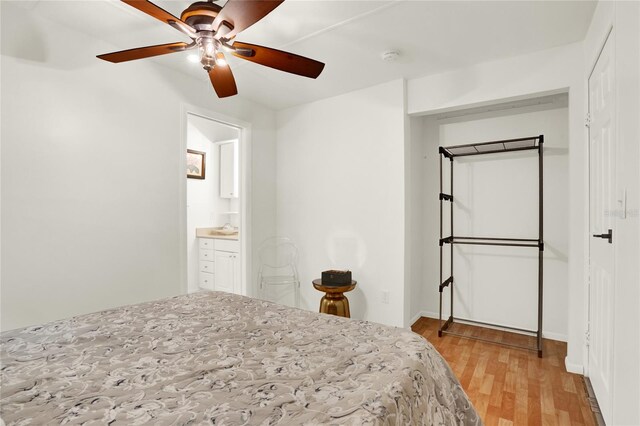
[[217, 232], [223, 231]]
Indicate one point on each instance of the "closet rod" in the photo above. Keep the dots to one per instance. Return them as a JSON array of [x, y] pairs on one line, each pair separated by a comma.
[[492, 151], [497, 239]]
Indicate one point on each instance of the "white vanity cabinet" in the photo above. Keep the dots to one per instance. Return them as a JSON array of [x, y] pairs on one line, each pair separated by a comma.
[[226, 271], [219, 264], [227, 266], [205, 263]]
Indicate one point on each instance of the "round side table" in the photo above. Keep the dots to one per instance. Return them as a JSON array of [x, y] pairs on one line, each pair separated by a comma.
[[334, 301]]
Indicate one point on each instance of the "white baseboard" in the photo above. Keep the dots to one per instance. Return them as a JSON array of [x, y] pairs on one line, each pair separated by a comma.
[[546, 334], [420, 314], [572, 367], [555, 336]]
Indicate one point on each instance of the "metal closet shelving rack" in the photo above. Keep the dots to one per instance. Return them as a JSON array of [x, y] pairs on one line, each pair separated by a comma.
[[452, 152]]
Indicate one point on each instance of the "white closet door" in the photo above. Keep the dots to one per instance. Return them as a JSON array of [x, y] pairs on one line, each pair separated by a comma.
[[602, 158]]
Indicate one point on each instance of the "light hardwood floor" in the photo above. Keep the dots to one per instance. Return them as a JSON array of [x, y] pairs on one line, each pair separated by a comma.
[[511, 386]]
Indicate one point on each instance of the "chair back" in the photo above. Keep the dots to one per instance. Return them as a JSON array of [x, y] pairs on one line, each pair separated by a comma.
[[278, 258], [277, 253]]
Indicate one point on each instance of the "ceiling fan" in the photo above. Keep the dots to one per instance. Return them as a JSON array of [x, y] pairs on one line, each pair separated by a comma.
[[213, 29]]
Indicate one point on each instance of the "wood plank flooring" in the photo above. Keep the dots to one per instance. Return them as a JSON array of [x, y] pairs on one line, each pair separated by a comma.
[[510, 386]]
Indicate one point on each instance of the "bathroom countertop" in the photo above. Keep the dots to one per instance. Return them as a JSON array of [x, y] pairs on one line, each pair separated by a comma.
[[211, 233]]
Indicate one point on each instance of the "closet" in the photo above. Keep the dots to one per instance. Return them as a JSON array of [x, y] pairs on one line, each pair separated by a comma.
[[485, 148], [498, 204]]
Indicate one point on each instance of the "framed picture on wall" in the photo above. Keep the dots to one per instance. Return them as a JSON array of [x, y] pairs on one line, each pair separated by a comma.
[[195, 164]]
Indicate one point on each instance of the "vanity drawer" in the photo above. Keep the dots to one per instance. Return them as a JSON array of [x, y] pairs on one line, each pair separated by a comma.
[[206, 254], [228, 245], [205, 243], [206, 266], [206, 281]]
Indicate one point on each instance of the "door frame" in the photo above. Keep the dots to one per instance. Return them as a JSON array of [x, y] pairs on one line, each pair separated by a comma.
[[244, 150]]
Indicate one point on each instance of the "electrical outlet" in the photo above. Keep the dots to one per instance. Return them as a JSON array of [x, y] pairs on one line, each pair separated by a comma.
[[385, 296]]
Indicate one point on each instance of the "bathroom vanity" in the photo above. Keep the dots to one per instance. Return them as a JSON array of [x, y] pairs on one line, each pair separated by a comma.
[[219, 260]]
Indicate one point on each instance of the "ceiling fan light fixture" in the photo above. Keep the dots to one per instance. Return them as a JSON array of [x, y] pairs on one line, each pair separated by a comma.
[[221, 61], [213, 29], [208, 47]]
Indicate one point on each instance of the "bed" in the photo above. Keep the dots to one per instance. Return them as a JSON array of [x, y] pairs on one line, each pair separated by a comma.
[[223, 359]]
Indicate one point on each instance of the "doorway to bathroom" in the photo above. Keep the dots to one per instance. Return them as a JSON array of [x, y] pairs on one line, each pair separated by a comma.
[[214, 215]]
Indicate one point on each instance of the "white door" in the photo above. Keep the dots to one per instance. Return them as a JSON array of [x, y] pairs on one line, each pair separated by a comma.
[[225, 271], [602, 159]]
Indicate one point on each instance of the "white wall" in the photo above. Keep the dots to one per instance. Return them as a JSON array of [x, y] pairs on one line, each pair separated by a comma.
[[341, 195], [624, 18], [90, 173], [497, 196], [516, 77], [550, 71], [416, 176]]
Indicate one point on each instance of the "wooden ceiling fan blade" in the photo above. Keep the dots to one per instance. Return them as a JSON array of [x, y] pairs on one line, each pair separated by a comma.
[[283, 61], [145, 52], [222, 78], [241, 14], [162, 15]]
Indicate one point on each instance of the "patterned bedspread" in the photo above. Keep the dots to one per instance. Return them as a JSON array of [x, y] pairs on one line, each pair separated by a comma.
[[223, 359]]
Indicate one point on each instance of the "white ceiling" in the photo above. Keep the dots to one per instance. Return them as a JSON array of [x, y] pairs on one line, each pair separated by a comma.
[[349, 36], [214, 130]]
